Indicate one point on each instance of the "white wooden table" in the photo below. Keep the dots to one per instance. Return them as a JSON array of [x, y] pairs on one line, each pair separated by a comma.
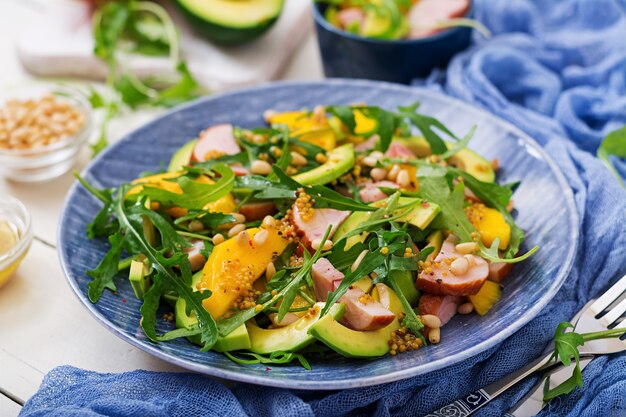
[[42, 323]]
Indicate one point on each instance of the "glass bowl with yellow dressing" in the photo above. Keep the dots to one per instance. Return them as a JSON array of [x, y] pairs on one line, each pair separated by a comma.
[[16, 235]]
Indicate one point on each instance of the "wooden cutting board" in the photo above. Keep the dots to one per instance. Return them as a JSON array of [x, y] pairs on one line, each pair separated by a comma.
[[57, 42]]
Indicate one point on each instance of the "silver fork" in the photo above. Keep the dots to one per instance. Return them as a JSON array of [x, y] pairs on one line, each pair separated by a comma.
[[585, 324]]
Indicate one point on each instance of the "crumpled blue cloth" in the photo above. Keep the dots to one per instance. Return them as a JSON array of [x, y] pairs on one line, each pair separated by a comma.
[[557, 70]]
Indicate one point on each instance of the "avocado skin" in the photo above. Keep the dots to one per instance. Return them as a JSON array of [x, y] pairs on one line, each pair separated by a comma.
[[223, 34], [340, 161]]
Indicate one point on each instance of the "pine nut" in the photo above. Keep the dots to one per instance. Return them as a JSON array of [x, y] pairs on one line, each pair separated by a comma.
[[236, 229], [471, 259], [378, 174], [393, 173], [243, 238], [358, 260], [316, 243], [270, 271], [218, 238], [260, 237], [466, 247], [369, 161], [431, 321], [297, 159], [377, 155], [434, 336], [269, 114], [459, 266], [239, 218], [403, 179], [268, 221], [259, 167], [195, 226], [465, 308]]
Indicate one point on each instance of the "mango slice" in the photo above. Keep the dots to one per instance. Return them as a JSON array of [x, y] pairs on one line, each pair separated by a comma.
[[307, 128], [490, 224], [225, 204], [234, 266], [486, 297]]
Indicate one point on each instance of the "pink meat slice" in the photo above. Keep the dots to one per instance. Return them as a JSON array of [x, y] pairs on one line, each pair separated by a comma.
[[196, 259], [368, 145], [497, 271], [371, 191], [215, 139], [442, 306], [440, 280], [315, 227], [425, 14], [398, 150], [326, 278], [257, 210], [370, 315], [350, 15], [286, 321]]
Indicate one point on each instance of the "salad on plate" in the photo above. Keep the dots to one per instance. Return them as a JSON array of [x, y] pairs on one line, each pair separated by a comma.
[[351, 229]]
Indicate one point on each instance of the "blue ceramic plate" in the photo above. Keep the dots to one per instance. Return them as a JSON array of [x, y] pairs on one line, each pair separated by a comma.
[[544, 202]]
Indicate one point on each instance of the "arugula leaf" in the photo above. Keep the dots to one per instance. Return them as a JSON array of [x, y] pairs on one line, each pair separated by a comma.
[[187, 88], [460, 144], [343, 259], [290, 291], [367, 265], [452, 216], [209, 219], [613, 144], [150, 306], [425, 125], [133, 227], [178, 333], [277, 358], [344, 114], [107, 269], [195, 195]]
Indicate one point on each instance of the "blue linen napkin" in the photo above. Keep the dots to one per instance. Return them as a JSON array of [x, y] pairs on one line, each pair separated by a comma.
[[556, 69]]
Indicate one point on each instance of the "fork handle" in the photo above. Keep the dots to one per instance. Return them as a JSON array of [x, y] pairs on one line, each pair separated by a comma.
[[472, 402]]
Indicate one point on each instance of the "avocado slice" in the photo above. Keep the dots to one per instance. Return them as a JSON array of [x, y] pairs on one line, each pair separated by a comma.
[[231, 22], [384, 23], [139, 276], [352, 222], [420, 216], [435, 239], [182, 156], [465, 159], [292, 337], [340, 160], [356, 344]]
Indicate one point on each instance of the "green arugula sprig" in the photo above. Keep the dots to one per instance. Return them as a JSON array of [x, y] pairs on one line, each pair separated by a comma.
[[130, 235], [274, 358], [137, 27], [566, 347], [613, 144]]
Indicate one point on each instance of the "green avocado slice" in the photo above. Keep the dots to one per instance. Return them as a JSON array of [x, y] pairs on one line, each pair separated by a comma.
[[231, 21], [357, 344], [340, 160], [290, 338], [182, 156], [421, 216], [465, 159]]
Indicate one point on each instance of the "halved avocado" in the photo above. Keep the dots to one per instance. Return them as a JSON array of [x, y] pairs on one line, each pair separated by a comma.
[[290, 338], [340, 160], [357, 344], [139, 276], [182, 156], [231, 21], [465, 159]]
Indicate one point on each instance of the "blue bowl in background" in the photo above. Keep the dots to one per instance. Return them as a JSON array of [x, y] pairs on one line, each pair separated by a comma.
[[346, 55]]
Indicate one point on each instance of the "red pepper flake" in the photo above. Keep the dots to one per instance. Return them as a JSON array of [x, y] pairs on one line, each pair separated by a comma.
[[123, 300], [268, 369], [425, 205]]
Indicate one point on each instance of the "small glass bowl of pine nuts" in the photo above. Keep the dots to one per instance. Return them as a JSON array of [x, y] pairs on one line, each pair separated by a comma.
[[41, 134]]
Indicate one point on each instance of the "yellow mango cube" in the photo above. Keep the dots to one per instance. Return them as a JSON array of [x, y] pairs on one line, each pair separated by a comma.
[[490, 224]]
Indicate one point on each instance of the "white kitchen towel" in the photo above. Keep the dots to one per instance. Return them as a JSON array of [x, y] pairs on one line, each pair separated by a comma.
[[58, 42]]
